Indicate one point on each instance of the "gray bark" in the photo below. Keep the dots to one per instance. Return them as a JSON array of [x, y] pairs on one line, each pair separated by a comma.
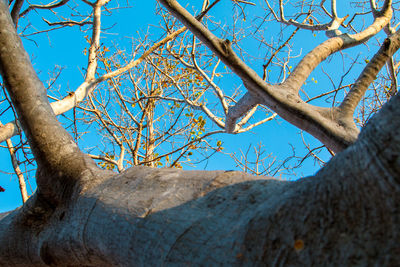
[[346, 214]]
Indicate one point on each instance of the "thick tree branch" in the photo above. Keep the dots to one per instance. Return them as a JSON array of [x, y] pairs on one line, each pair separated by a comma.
[[53, 148], [368, 75], [322, 123]]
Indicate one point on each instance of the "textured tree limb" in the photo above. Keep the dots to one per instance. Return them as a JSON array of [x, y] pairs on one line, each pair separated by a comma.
[[52, 146], [322, 123], [368, 75]]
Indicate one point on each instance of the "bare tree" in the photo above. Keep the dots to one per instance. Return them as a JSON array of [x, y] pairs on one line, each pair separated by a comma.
[[346, 214]]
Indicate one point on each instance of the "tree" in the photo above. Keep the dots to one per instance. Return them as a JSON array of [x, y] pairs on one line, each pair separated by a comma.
[[345, 214]]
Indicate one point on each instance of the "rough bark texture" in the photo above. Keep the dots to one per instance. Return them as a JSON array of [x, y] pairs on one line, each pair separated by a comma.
[[345, 215]]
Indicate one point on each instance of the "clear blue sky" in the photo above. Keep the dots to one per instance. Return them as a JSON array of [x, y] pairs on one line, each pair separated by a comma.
[[64, 48]]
